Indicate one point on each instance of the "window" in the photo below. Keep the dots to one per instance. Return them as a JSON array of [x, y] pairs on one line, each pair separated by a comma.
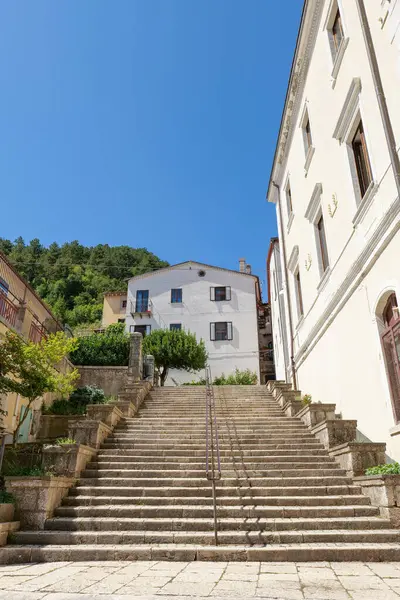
[[289, 202], [307, 135], [123, 303], [142, 301], [121, 320], [218, 294], [176, 296], [299, 295], [4, 287], [222, 331], [337, 32], [143, 329], [322, 247], [175, 326], [361, 158]]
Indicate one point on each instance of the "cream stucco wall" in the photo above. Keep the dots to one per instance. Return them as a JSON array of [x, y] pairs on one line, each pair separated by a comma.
[[337, 347], [113, 309]]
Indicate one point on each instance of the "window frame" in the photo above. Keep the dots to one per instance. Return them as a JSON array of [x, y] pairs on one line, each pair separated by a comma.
[[124, 304], [175, 326], [180, 295], [132, 329], [228, 293], [337, 21], [140, 304], [308, 142], [322, 244], [364, 170], [298, 293], [229, 331]]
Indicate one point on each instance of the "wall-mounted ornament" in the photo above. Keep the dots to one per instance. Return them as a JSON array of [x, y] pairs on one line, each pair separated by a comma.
[[308, 262], [335, 205]]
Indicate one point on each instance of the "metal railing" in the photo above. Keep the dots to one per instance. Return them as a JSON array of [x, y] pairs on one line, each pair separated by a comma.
[[142, 307], [8, 310], [213, 458]]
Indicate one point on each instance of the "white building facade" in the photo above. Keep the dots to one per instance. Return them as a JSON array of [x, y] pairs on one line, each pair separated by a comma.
[[335, 182], [218, 305]]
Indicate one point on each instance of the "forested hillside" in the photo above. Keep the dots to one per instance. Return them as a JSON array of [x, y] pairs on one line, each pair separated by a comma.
[[72, 278]]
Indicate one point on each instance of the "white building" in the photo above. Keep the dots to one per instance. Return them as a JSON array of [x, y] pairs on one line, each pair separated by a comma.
[[336, 183], [218, 305]]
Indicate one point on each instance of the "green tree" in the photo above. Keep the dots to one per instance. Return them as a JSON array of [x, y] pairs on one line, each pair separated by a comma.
[[175, 350], [30, 370], [110, 348]]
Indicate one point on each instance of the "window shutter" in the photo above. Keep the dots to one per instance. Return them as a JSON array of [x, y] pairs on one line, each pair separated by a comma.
[[228, 292], [230, 330], [148, 329], [212, 293], [212, 331]]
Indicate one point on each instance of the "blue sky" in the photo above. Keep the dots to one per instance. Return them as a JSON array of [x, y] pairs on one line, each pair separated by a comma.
[[144, 122]]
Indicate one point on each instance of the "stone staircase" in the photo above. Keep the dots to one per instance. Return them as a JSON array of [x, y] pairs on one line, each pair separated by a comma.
[[281, 496]]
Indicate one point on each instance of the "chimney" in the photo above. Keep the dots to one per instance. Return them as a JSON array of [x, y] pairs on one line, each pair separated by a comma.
[[248, 269], [242, 265]]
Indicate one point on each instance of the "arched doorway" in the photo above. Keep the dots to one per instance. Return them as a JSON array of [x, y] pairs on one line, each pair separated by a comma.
[[391, 345]]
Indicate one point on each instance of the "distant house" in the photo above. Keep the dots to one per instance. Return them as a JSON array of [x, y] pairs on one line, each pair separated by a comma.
[[114, 308], [218, 305]]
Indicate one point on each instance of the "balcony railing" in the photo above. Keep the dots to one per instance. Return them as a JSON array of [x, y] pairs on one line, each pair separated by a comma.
[[141, 307], [8, 310], [36, 333]]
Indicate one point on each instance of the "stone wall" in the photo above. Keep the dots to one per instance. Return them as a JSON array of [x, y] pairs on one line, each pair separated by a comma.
[[111, 379]]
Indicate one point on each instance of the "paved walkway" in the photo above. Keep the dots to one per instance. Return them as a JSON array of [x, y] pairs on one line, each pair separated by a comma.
[[198, 580]]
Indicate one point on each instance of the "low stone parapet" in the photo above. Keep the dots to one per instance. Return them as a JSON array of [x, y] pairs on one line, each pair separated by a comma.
[[110, 414], [89, 432], [37, 497], [331, 433], [312, 414], [384, 492], [356, 457], [67, 460], [55, 426]]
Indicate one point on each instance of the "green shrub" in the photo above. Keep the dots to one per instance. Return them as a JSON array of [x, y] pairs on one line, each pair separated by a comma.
[[23, 471], [6, 497], [77, 402], [389, 469], [65, 441], [245, 377], [110, 348], [199, 382], [306, 400]]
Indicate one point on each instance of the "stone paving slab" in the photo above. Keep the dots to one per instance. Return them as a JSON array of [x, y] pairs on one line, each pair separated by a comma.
[[159, 580]]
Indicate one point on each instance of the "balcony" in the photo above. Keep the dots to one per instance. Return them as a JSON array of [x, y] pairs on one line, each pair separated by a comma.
[[8, 310], [143, 308], [36, 333]]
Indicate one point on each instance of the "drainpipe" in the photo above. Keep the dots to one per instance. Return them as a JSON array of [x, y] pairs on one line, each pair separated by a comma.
[[380, 95], [289, 304]]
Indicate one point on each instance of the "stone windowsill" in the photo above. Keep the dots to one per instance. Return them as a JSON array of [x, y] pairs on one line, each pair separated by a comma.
[[309, 156], [395, 430], [324, 280], [365, 203], [338, 60], [289, 225]]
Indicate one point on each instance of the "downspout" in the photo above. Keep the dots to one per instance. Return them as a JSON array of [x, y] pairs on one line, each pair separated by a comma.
[[289, 304], [380, 95]]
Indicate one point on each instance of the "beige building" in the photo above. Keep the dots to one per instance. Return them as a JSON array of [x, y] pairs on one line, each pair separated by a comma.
[[114, 308], [23, 312], [335, 180]]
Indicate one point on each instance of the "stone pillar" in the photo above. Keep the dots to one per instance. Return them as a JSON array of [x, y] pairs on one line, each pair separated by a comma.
[[20, 318], [149, 359], [135, 367]]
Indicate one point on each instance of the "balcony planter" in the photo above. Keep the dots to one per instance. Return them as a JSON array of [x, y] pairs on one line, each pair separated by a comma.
[[67, 460], [332, 433], [36, 498], [384, 492], [109, 414]]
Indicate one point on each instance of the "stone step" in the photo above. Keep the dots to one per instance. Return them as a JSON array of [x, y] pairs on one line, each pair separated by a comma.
[[238, 500], [101, 469], [206, 512], [203, 482], [206, 538], [126, 461], [314, 445], [260, 454], [363, 552], [203, 524], [200, 472], [206, 492]]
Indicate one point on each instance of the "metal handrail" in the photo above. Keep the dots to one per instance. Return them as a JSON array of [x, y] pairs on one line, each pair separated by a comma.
[[213, 471]]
